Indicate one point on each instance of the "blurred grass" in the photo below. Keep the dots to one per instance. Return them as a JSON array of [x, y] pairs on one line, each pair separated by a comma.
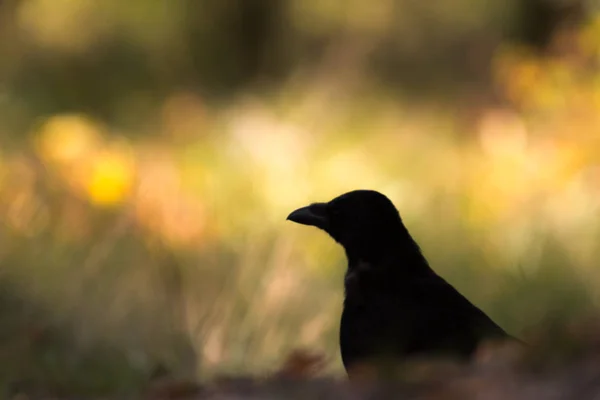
[[149, 160]]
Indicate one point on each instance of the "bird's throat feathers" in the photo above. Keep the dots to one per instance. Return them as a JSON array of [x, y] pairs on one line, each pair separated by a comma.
[[381, 245], [402, 257]]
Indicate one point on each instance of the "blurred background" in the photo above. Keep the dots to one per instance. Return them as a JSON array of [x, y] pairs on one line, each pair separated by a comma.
[[150, 151]]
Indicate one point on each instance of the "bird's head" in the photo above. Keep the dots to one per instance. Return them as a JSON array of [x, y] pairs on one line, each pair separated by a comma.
[[365, 222]]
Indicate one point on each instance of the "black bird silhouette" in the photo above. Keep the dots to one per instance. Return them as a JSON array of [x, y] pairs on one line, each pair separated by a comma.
[[395, 307]]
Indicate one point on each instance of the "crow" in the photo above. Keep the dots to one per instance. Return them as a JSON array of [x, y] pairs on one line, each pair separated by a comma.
[[395, 306]]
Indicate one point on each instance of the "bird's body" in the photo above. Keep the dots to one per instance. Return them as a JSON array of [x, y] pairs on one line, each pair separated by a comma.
[[395, 305], [422, 316]]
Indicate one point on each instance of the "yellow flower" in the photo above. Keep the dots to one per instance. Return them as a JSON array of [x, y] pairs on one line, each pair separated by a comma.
[[111, 180], [67, 138]]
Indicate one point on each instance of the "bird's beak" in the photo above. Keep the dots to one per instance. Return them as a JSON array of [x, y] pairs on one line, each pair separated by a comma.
[[313, 215]]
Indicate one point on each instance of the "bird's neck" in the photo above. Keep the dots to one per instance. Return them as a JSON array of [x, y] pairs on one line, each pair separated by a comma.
[[401, 256]]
